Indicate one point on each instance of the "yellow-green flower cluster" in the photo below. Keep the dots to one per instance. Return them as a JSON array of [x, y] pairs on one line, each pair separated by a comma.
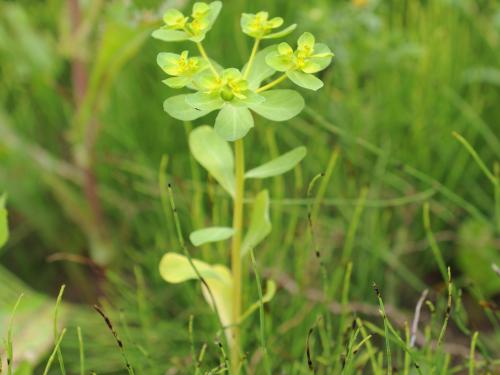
[[259, 26], [180, 27], [182, 67], [229, 86], [309, 57]]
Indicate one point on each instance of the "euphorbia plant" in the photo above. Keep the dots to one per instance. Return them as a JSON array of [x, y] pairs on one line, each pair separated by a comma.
[[236, 94]]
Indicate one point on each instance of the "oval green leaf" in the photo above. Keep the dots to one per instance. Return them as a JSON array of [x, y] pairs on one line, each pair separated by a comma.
[[178, 108], [260, 223], [307, 81], [212, 234], [280, 165], [280, 34], [214, 154], [170, 35], [233, 122], [205, 102], [176, 268], [280, 105]]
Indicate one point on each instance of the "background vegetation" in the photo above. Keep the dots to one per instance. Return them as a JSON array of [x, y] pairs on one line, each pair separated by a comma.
[[83, 133]]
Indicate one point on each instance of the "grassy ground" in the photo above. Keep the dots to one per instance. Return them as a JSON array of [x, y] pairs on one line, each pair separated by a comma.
[[83, 133]]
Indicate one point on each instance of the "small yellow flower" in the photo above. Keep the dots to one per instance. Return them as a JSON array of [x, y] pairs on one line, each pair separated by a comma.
[[179, 27], [200, 11], [260, 26], [182, 67], [174, 19], [309, 57]]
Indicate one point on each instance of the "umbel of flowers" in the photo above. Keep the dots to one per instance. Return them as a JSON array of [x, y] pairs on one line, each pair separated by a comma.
[[238, 95]]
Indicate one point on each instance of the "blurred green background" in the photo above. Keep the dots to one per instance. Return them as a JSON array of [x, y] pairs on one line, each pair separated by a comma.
[[82, 134]]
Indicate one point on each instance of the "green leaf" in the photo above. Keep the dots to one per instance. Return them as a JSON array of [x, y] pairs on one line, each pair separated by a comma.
[[205, 102], [233, 122], [282, 33], [176, 268], [250, 99], [279, 62], [280, 105], [307, 81], [178, 108], [4, 227], [170, 35], [280, 165], [260, 224], [177, 82], [214, 154], [212, 234], [215, 8], [260, 69]]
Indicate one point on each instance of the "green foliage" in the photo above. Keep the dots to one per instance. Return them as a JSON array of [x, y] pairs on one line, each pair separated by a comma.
[[307, 81], [176, 268], [278, 166], [260, 223], [231, 91], [280, 105], [259, 26], [212, 234], [177, 107], [214, 154], [233, 122], [181, 67], [178, 27], [309, 57], [234, 94]]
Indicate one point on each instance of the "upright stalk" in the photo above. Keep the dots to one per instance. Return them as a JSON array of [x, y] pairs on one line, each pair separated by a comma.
[[236, 254]]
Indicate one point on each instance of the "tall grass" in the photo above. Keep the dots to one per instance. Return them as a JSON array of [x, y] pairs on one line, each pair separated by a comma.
[[407, 74]]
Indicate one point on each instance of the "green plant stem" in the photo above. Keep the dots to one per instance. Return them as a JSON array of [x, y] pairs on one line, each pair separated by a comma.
[[9, 350], [432, 242], [386, 329], [236, 253], [81, 350], [248, 68], [205, 56], [272, 83], [476, 157], [53, 355], [448, 311], [56, 333], [492, 176], [267, 364], [472, 356]]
